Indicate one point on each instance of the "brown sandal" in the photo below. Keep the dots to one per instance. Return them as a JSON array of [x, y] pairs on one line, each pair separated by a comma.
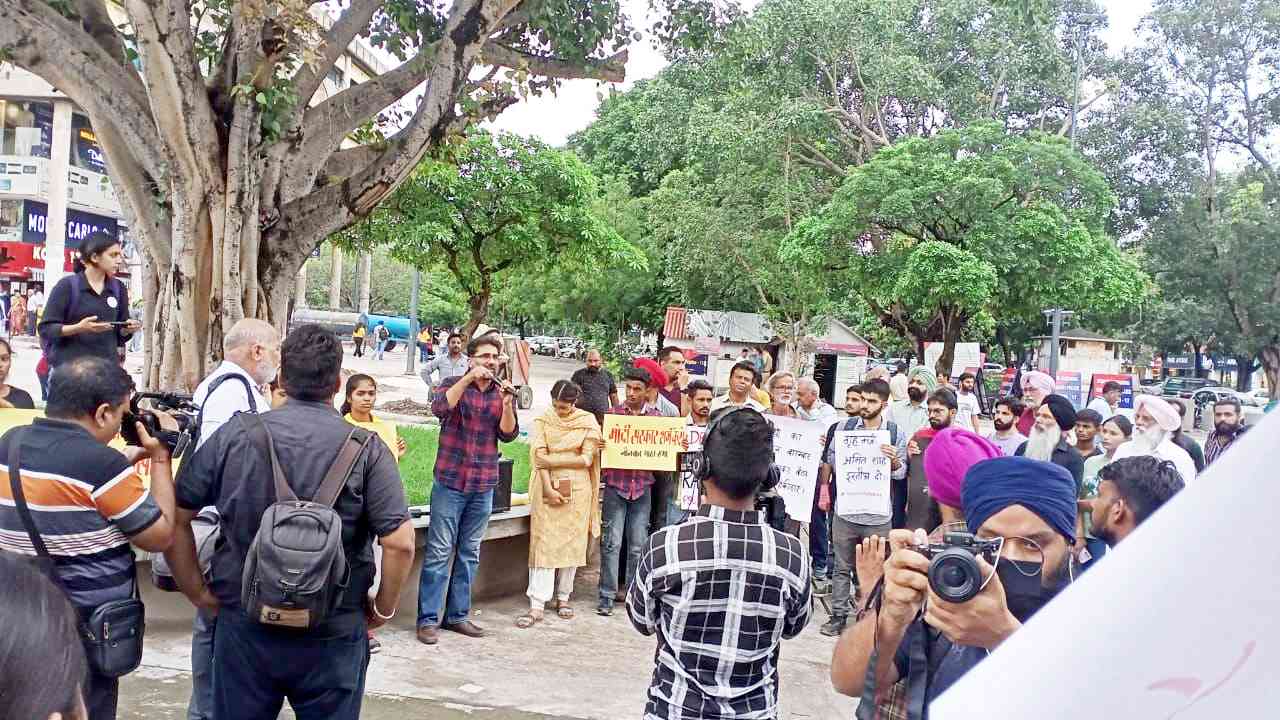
[[528, 620], [564, 610]]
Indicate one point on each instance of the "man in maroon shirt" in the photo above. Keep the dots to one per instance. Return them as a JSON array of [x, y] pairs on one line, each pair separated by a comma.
[[475, 412], [672, 360], [627, 501]]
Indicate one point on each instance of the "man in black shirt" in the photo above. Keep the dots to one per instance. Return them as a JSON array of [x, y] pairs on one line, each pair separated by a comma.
[[322, 671], [599, 392]]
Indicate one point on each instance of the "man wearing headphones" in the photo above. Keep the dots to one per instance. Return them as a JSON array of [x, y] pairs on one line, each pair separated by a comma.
[[745, 575]]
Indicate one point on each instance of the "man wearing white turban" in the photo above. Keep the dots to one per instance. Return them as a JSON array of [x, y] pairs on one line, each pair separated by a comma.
[[1154, 422]]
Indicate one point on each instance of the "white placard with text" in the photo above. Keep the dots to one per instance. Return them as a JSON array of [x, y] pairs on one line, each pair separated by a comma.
[[797, 451], [861, 473]]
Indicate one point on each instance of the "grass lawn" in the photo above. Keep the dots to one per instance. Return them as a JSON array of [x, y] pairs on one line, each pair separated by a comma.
[[420, 458]]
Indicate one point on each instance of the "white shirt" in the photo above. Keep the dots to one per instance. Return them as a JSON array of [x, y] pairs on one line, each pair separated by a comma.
[[1102, 407], [723, 402], [1167, 450], [898, 387], [966, 410], [37, 300], [821, 410], [230, 399]]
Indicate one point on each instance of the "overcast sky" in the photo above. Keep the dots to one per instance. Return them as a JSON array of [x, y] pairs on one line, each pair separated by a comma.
[[554, 118]]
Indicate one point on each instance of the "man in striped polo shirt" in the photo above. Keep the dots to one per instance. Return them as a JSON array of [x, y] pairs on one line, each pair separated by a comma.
[[87, 501]]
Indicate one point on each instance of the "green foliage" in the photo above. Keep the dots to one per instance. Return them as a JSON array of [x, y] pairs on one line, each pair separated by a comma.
[[418, 464], [496, 207]]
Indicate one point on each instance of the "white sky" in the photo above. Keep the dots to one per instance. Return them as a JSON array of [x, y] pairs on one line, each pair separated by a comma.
[[554, 118]]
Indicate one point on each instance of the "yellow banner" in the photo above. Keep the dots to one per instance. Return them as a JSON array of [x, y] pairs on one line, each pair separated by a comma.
[[642, 443], [10, 419]]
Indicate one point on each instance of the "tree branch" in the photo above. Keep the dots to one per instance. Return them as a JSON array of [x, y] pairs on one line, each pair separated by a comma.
[[610, 69], [353, 21]]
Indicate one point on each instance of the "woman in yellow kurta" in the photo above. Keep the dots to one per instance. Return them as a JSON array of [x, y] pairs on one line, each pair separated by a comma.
[[564, 500]]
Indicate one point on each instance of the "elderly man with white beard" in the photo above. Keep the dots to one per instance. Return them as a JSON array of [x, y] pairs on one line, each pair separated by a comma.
[[1048, 438], [1154, 421]]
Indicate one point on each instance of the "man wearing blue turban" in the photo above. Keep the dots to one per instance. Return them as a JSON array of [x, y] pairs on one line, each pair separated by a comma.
[[915, 635]]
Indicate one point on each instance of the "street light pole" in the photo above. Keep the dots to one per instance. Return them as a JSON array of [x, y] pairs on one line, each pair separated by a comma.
[[1080, 24], [412, 348], [1055, 318]]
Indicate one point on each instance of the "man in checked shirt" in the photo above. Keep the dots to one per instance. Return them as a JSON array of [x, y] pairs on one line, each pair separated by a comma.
[[476, 410], [723, 589]]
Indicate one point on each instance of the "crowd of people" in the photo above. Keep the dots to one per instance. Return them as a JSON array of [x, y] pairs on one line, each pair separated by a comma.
[[288, 528]]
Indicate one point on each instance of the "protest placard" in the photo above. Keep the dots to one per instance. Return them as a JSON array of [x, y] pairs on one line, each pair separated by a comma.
[[690, 492], [637, 442], [862, 473], [797, 451], [1155, 656]]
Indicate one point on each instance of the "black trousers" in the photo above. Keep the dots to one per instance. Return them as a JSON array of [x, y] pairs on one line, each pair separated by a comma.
[[100, 696], [322, 673]]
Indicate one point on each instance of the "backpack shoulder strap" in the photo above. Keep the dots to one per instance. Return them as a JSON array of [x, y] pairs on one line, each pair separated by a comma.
[[262, 437], [19, 497], [342, 465], [248, 390]]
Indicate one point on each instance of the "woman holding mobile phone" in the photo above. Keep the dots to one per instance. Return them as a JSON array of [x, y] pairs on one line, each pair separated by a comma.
[[87, 313]]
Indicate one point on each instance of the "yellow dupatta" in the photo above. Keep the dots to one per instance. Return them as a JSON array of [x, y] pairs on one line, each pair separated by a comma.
[[566, 435]]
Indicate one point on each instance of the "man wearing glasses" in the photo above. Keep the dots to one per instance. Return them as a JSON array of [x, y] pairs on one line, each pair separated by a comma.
[[931, 643], [476, 410]]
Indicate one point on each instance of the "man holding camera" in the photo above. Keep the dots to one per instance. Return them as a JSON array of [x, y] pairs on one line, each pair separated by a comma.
[[1028, 507], [722, 590], [86, 501]]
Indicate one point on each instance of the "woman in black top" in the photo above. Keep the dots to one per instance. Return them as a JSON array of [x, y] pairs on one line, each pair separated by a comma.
[[10, 396], [88, 313]]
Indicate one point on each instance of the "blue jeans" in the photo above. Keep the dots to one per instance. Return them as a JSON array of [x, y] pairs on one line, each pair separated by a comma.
[[201, 705], [622, 521], [422, 352], [452, 556], [321, 672], [381, 348]]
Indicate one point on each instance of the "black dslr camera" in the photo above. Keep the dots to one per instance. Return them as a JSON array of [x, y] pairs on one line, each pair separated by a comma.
[[174, 405], [954, 574]]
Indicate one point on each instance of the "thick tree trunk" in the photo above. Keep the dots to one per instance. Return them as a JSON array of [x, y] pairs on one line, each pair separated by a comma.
[[365, 278], [1244, 372], [478, 310], [1271, 368]]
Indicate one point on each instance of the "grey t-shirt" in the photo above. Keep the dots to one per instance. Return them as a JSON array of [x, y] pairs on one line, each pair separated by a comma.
[[233, 473]]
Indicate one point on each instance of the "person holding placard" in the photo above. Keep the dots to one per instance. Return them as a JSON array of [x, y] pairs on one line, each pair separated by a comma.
[[848, 531], [689, 494], [627, 502]]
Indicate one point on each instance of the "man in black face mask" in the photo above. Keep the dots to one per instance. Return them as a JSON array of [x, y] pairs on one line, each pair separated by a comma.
[[931, 643]]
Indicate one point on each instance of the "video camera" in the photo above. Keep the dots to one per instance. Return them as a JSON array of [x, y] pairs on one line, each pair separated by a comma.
[[169, 418], [954, 574]]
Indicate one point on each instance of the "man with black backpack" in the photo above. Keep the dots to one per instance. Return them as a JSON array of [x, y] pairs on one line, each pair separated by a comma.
[[76, 505], [302, 495], [251, 357]]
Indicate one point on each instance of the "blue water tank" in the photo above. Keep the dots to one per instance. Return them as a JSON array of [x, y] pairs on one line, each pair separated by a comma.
[[399, 326]]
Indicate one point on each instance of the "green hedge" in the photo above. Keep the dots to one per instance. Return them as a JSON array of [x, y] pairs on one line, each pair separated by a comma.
[[420, 458]]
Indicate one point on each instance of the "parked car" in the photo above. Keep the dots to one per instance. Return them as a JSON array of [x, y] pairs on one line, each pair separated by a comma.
[[1210, 395], [1180, 387], [543, 345], [1255, 398], [570, 348]]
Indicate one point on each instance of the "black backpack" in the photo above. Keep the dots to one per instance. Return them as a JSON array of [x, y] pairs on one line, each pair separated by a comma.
[[296, 570]]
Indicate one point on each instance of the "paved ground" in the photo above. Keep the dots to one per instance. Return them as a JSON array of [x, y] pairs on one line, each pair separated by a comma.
[[588, 667]]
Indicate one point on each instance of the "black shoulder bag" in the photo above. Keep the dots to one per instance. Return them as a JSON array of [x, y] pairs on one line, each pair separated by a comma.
[[112, 632]]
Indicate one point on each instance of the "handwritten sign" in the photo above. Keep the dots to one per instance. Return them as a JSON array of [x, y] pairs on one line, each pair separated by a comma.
[[797, 451], [642, 443], [690, 491], [1159, 665], [862, 473]]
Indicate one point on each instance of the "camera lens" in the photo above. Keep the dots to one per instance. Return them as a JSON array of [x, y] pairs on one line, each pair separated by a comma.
[[954, 575]]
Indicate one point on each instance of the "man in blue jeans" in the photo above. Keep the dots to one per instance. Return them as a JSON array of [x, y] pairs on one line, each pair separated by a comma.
[[475, 411], [627, 497]]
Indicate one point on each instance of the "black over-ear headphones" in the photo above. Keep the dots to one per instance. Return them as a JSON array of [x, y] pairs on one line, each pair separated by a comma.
[[704, 471]]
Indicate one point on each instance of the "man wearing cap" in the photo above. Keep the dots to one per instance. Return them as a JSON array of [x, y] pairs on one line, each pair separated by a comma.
[[1036, 386], [1154, 421], [1031, 506], [1048, 439]]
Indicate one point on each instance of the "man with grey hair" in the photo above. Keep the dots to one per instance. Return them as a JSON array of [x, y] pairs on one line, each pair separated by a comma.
[[811, 407], [250, 359]]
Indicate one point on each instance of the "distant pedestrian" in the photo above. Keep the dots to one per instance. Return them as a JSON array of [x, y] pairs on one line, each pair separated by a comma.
[[968, 408], [424, 344], [381, 336], [357, 338], [599, 391], [449, 364], [1108, 402], [35, 306], [17, 315], [475, 413]]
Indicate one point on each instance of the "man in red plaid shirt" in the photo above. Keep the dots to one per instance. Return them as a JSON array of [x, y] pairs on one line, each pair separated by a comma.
[[476, 411], [625, 517]]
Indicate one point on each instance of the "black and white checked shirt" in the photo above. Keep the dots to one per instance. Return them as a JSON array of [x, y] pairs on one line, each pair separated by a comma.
[[721, 591]]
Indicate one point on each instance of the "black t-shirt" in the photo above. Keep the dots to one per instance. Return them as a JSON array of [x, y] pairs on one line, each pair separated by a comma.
[[19, 398], [232, 473], [597, 386], [112, 305]]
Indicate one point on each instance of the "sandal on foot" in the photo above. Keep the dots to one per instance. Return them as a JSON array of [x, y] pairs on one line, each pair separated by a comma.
[[528, 619], [564, 611]]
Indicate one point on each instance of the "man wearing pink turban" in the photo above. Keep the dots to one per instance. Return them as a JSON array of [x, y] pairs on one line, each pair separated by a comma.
[[1036, 386], [948, 457]]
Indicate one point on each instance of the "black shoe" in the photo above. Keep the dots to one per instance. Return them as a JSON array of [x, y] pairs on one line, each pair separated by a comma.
[[833, 627], [604, 609]]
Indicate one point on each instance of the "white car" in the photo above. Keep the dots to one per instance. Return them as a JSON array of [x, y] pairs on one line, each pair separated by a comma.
[[1255, 398]]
